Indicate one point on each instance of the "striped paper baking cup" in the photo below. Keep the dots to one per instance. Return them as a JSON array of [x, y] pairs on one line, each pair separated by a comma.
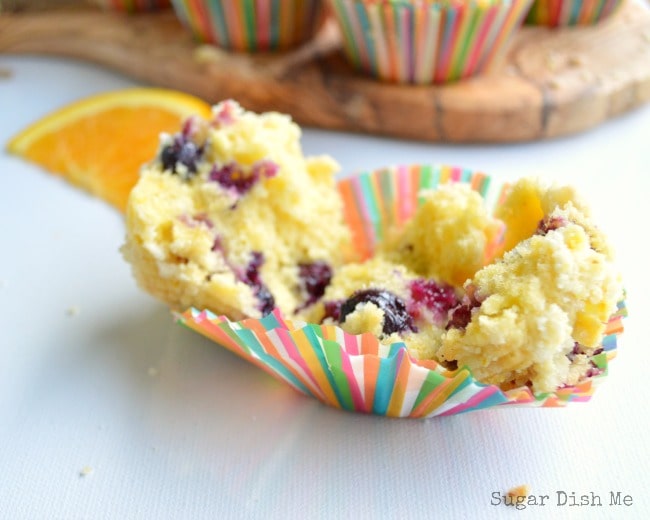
[[558, 13], [356, 372], [133, 6], [252, 25], [404, 41]]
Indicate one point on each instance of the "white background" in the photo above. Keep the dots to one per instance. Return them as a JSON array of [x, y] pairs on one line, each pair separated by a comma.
[[172, 426]]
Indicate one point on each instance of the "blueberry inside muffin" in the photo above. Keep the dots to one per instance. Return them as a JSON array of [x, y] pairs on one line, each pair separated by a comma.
[[531, 314]]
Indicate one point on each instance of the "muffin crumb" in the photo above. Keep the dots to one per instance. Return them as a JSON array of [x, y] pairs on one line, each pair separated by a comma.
[[575, 60], [552, 61], [72, 311], [244, 223], [208, 54], [519, 491]]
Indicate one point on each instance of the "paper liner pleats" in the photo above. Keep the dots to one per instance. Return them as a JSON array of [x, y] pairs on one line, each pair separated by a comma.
[[358, 373], [558, 13], [134, 6], [251, 25], [427, 41], [376, 201]]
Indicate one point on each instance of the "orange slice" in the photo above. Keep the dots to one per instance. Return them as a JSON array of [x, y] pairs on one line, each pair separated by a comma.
[[99, 143]]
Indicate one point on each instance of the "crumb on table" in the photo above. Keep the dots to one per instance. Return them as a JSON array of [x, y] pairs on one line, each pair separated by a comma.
[[85, 471], [73, 310], [519, 491]]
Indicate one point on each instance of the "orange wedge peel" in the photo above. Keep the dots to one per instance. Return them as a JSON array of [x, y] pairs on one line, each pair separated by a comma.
[[99, 143]]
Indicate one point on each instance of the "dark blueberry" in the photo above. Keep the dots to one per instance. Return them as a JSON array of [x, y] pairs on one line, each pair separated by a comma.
[[550, 224], [576, 350], [460, 317], [314, 279], [266, 300], [437, 298], [181, 151], [251, 277], [252, 273], [396, 317], [333, 310], [451, 365]]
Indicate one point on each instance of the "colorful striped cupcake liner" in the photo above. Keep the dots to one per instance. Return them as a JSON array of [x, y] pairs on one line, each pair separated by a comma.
[[429, 41], [558, 13], [251, 25], [356, 372], [134, 6]]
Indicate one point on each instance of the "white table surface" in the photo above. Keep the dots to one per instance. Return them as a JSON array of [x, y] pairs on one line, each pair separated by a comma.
[[171, 426]]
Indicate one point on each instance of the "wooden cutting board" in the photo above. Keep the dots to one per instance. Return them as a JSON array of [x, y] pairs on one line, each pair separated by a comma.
[[552, 82]]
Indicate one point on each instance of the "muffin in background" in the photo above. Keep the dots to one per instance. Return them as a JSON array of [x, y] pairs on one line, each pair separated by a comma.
[[559, 13], [133, 6], [252, 25], [427, 41]]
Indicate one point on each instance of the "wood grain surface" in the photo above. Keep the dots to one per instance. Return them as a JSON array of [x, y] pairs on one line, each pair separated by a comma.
[[551, 83]]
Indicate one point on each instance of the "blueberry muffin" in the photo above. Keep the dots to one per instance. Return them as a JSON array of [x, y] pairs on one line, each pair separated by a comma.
[[407, 290], [449, 237], [528, 312], [536, 315], [229, 217], [427, 41]]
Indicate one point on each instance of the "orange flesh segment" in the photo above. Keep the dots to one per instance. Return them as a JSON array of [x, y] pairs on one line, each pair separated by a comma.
[[103, 148]]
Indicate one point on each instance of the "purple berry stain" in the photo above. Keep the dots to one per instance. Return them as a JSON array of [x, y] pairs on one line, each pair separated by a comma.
[[251, 277], [332, 310], [252, 273], [550, 224], [217, 246], [594, 369], [313, 279], [226, 115], [461, 315], [196, 220], [233, 178], [436, 298], [575, 351], [267, 302], [396, 316]]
